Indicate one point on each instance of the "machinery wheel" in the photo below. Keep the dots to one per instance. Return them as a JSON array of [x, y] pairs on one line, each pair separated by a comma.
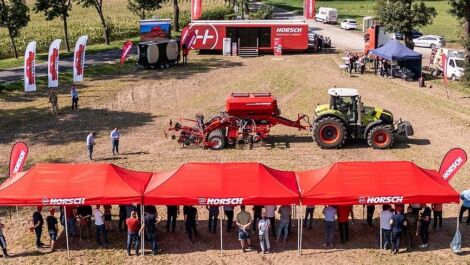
[[217, 138], [453, 78], [380, 137], [329, 132], [433, 46]]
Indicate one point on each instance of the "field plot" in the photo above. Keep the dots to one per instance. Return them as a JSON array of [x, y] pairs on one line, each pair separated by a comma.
[[141, 105]]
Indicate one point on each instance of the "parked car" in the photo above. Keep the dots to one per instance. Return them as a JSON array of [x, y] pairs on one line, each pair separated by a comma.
[[416, 34], [348, 24], [431, 41], [327, 15]]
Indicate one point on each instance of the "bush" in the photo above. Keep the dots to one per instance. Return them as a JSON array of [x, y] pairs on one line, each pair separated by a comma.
[[265, 12], [216, 13]]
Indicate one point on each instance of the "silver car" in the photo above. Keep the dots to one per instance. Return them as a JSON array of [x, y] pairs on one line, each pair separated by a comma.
[[430, 41]]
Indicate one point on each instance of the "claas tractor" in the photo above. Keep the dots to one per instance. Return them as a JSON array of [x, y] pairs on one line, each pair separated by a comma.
[[345, 117], [248, 118]]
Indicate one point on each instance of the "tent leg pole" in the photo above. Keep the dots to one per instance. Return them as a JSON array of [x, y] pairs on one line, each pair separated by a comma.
[[221, 231], [142, 239], [380, 232], [67, 232], [301, 227], [298, 229]]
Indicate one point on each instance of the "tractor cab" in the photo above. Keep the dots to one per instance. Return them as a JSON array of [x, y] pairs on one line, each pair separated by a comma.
[[346, 101]]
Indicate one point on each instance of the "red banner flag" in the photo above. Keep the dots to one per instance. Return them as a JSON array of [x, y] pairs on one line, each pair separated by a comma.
[[309, 9], [196, 9], [18, 154], [452, 162], [189, 39], [444, 67], [126, 48]]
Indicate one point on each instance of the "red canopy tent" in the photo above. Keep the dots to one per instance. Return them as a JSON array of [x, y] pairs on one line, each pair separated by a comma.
[[350, 183], [222, 184], [73, 184]]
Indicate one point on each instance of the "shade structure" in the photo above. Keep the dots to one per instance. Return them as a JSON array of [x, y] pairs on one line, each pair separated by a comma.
[[350, 183], [222, 184], [74, 184], [396, 51]]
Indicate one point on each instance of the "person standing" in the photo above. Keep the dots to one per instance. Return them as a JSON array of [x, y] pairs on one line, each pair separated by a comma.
[[3, 242], [385, 226], [228, 210], [74, 96], [370, 214], [37, 222], [244, 224], [172, 214], [133, 231], [115, 135], [411, 230], [271, 215], [397, 222], [107, 217], [100, 226], [257, 210], [84, 215], [122, 217], [190, 220], [263, 233], [343, 222], [465, 197], [185, 54], [150, 225], [90, 143], [54, 101], [437, 212], [71, 214], [329, 212], [424, 222], [213, 218], [309, 215], [52, 228], [283, 229]]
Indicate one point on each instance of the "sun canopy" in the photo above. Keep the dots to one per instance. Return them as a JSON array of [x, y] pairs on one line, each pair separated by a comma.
[[394, 50], [222, 184], [73, 184], [349, 183]]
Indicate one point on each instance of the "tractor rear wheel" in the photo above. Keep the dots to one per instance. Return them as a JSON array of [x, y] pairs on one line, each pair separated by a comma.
[[380, 137], [329, 132], [216, 139]]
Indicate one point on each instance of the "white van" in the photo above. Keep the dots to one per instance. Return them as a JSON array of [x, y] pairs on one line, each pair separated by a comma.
[[455, 63], [327, 15]]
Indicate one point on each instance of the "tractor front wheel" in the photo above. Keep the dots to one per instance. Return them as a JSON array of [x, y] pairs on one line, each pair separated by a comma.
[[216, 139], [329, 132], [380, 137]]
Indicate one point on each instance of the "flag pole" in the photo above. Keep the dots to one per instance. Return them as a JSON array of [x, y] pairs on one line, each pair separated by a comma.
[[67, 232]]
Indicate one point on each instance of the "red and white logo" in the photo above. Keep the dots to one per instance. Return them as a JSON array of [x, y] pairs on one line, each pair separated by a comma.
[[380, 199], [18, 155], [289, 30], [220, 201], [207, 36], [62, 201], [452, 162]]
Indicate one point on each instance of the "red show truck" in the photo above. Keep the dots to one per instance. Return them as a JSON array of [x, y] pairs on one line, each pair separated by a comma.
[[260, 34]]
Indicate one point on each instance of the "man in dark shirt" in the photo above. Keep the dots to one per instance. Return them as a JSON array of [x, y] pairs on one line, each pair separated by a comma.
[[213, 218], [424, 222], [411, 228], [37, 223], [172, 214], [190, 219], [52, 228], [397, 222], [150, 225], [84, 213], [257, 209], [122, 217]]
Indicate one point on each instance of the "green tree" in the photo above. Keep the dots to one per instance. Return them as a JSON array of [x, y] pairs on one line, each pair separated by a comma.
[[98, 5], [461, 10], [176, 15], [404, 16], [14, 15], [140, 7], [53, 9]]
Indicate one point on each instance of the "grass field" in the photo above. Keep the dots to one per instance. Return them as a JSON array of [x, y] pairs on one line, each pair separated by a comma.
[[83, 21], [141, 104], [444, 24]]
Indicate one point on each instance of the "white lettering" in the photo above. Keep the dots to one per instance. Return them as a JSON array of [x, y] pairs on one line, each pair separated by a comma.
[[61, 201], [19, 162], [452, 167], [289, 30], [386, 199], [221, 201], [204, 37]]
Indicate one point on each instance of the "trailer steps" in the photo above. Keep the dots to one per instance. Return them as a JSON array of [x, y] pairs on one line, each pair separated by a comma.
[[248, 52]]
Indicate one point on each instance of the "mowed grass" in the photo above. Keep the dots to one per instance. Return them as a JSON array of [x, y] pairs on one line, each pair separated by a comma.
[[444, 24], [85, 21]]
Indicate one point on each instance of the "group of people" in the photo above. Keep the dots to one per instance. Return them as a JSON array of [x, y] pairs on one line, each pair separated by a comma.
[[356, 62], [114, 136], [54, 100]]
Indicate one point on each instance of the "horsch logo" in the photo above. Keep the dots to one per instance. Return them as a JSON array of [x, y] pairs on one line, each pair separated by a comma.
[[381, 199], [206, 36], [19, 162], [289, 30], [61, 201], [453, 167], [220, 201]]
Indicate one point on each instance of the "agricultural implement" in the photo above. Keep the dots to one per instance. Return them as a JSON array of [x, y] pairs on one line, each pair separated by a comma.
[[249, 117]]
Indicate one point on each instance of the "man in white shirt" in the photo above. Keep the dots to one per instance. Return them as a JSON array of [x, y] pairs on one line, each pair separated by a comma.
[[270, 211], [285, 211], [115, 135], [90, 143], [100, 227], [385, 226], [330, 214]]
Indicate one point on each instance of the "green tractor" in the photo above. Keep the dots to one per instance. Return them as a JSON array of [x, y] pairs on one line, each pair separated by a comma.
[[346, 118]]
